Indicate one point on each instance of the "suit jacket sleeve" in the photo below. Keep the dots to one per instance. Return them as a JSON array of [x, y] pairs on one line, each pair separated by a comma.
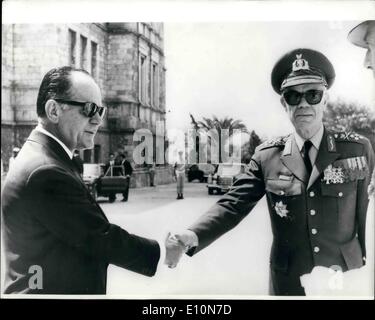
[[362, 197], [63, 205], [231, 208]]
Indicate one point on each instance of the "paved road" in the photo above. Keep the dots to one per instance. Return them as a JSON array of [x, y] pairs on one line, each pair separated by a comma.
[[236, 264]]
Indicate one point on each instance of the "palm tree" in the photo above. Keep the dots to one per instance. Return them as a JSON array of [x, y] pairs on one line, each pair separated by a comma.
[[219, 125]]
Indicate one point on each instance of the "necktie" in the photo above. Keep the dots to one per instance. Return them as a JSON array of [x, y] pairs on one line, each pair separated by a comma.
[[306, 158]]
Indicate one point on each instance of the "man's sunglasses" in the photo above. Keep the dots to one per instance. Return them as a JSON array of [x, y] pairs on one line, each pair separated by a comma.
[[89, 108], [293, 98]]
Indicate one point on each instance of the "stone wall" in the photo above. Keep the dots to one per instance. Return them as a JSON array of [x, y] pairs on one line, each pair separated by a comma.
[[141, 177]]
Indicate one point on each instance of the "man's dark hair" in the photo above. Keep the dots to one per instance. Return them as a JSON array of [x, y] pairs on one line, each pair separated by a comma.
[[56, 83]]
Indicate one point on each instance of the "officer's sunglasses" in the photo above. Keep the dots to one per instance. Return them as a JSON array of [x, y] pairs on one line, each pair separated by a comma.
[[90, 109], [293, 98]]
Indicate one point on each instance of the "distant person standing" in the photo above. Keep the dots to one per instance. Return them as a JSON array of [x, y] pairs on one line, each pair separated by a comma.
[[78, 162], [13, 157], [151, 171], [128, 171], [110, 163], [179, 173]]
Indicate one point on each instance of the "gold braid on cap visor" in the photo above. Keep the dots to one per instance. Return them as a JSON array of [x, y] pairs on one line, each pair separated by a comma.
[[308, 76], [295, 81]]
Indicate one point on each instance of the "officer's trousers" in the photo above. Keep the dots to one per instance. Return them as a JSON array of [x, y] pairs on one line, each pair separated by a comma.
[[284, 284]]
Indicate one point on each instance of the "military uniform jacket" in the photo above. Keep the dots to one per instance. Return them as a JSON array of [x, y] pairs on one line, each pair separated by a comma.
[[50, 220], [317, 220]]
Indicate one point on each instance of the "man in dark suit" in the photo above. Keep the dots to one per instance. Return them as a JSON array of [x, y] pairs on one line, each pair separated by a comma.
[[128, 171], [57, 239], [110, 163], [78, 162], [315, 182]]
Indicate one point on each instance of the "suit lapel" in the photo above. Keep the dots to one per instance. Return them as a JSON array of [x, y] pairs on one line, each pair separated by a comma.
[[60, 155], [59, 152], [326, 155], [52, 145], [292, 159]]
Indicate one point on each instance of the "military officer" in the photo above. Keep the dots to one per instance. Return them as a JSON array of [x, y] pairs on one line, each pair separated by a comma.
[[363, 35], [314, 180]]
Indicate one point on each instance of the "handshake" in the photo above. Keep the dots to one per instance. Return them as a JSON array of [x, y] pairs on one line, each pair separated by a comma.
[[178, 243]]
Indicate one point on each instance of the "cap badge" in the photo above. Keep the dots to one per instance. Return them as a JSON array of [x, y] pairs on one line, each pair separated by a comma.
[[300, 64]]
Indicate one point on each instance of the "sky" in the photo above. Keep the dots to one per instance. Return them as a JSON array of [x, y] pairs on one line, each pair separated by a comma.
[[224, 69]]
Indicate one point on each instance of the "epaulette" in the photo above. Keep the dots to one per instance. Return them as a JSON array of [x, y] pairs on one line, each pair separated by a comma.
[[348, 136], [277, 142]]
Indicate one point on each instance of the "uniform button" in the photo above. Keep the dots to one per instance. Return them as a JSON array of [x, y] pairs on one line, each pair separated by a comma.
[[314, 231], [316, 249], [340, 194], [312, 212], [312, 194]]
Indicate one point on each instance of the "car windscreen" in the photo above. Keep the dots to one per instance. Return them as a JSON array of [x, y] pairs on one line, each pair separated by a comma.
[[91, 170], [229, 170]]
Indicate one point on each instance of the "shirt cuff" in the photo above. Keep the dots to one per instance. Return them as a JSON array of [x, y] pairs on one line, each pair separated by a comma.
[[194, 239], [162, 254]]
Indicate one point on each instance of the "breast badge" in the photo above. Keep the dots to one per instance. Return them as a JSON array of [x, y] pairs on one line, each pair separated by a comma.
[[346, 170], [281, 209], [333, 175]]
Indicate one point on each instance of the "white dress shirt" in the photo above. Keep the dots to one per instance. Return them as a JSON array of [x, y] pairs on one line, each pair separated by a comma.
[[315, 140], [47, 133]]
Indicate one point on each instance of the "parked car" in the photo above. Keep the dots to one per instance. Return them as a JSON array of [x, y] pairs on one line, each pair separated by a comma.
[[105, 184], [200, 171], [224, 177], [208, 170]]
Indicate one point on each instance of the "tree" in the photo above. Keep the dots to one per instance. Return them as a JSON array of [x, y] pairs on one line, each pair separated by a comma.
[[248, 149], [348, 116], [219, 125]]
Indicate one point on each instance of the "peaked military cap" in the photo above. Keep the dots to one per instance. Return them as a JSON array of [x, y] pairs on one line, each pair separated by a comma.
[[302, 66], [358, 34]]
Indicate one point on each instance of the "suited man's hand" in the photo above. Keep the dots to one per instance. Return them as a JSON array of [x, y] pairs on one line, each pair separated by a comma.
[[174, 250]]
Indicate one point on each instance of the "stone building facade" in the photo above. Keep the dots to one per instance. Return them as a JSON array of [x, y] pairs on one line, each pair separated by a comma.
[[126, 59]]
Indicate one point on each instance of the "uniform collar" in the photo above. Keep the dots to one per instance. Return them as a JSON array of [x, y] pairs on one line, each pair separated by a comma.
[[316, 139], [47, 133]]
